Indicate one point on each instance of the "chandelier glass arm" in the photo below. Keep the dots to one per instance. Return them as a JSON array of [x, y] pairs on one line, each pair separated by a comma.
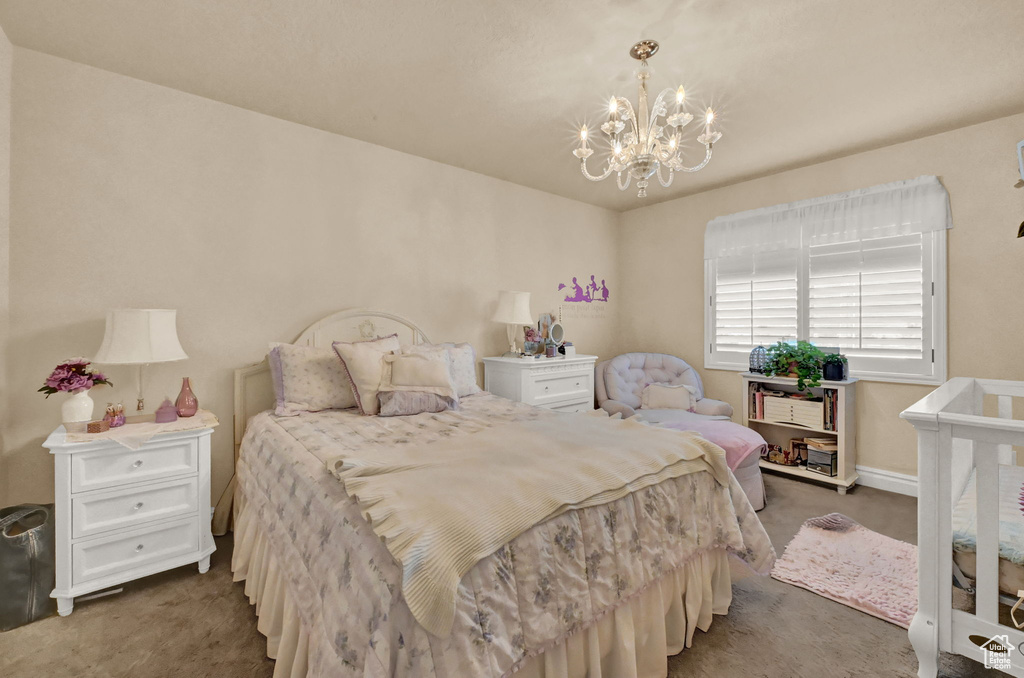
[[665, 182], [588, 175], [697, 168], [631, 115], [623, 185]]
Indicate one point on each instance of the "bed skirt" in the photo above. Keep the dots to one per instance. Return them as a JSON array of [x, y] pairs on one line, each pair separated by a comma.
[[633, 640]]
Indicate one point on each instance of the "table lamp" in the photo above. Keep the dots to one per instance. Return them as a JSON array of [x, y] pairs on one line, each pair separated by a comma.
[[513, 310], [140, 336]]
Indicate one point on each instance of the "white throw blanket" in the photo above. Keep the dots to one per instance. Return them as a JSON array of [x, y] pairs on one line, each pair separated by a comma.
[[443, 506]]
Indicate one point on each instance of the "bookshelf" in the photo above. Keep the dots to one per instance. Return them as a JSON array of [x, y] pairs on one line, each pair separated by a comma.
[[799, 419]]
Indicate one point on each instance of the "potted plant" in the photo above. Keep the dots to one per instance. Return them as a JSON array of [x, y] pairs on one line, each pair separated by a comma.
[[834, 367], [801, 360]]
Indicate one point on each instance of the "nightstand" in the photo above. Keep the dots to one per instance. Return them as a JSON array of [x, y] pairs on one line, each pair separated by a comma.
[[563, 384], [124, 514]]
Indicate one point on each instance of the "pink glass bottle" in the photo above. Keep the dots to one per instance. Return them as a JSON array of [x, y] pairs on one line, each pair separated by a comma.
[[187, 404]]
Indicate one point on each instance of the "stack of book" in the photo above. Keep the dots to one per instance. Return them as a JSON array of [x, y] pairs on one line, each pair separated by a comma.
[[757, 394], [831, 408]]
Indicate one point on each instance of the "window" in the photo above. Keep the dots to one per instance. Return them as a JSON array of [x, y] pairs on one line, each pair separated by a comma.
[[876, 291]]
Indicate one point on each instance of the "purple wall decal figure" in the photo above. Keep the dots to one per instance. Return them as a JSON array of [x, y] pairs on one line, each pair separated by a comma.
[[592, 292], [577, 294]]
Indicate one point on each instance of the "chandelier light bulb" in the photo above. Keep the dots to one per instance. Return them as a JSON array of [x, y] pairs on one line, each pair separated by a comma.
[[645, 140]]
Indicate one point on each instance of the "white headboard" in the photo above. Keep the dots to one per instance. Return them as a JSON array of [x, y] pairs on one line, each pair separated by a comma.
[[254, 391]]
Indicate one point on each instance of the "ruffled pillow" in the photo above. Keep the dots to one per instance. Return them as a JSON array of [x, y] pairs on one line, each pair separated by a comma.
[[404, 403], [308, 379], [364, 365], [463, 364]]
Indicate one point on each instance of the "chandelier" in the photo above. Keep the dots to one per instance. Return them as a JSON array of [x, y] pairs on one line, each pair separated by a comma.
[[652, 142]]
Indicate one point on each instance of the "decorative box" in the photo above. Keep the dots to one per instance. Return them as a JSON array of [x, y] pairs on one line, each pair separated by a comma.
[[807, 413], [821, 461]]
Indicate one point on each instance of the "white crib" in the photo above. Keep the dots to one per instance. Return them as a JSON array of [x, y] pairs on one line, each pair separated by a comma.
[[954, 436]]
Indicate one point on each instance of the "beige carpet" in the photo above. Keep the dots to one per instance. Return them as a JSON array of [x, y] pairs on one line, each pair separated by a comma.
[[181, 623]]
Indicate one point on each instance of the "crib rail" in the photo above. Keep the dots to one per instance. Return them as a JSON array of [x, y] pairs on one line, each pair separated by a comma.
[[954, 436]]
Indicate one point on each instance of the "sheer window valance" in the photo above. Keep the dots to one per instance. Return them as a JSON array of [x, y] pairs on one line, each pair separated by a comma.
[[901, 208], [863, 272]]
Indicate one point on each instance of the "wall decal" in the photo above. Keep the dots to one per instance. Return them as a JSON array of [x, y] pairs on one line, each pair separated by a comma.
[[588, 293]]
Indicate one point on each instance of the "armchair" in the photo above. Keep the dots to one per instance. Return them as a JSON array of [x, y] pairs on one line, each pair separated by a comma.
[[619, 382]]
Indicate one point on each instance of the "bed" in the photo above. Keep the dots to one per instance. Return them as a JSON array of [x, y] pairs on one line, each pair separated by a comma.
[[606, 590]]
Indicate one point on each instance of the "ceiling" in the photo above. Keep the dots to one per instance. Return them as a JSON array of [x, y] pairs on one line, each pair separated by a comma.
[[498, 87]]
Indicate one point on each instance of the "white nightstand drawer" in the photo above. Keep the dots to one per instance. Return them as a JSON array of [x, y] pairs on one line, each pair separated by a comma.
[[110, 468], [583, 406], [548, 388], [111, 555], [123, 508]]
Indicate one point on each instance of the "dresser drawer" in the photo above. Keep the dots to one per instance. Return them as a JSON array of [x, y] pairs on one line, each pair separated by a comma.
[[120, 553], [120, 466], [584, 406], [98, 512], [548, 389]]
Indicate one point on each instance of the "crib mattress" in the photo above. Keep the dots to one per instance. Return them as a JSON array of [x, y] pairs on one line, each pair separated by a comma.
[[1011, 529]]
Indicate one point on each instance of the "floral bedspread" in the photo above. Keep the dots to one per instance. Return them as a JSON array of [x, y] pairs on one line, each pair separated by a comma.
[[550, 581]]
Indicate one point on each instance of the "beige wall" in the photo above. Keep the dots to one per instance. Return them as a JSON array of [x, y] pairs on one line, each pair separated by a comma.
[[127, 194], [662, 250], [6, 62], [124, 193]]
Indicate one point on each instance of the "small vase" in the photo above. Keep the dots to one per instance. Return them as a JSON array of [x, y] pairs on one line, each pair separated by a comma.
[[187, 404], [77, 408]]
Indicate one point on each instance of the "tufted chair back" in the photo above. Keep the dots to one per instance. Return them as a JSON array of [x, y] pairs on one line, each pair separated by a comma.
[[623, 377]]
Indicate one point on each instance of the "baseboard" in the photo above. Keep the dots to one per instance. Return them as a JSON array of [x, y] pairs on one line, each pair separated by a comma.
[[890, 481]]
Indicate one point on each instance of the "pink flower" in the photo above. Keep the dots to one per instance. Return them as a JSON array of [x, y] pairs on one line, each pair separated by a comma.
[[76, 382], [72, 375], [59, 375]]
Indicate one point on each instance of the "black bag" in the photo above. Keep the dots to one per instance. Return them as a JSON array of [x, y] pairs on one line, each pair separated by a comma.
[[27, 564]]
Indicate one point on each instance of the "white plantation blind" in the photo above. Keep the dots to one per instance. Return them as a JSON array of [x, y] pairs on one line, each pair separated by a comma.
[[864, 271], [756, 300]]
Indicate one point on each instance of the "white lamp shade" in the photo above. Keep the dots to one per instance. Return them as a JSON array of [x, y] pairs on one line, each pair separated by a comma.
[[513, 308], [136, 336]]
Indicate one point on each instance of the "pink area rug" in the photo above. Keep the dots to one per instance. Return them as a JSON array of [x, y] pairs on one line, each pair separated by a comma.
[[840, 559]]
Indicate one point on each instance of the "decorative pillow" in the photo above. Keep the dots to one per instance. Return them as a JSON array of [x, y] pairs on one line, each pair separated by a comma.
[[668, 396], [463, 364], [426, 372], [401, 403], [364, 365], [308, 379]]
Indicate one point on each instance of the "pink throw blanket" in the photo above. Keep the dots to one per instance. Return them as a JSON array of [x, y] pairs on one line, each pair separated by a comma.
[[739, 442]]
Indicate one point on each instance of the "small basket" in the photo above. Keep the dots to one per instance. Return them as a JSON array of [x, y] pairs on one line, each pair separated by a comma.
[[98, 426]]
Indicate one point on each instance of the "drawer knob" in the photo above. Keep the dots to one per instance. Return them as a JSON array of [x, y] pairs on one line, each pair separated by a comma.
[[577, 383], [547, 388], [137, 464], [137, 506], [139, 547]]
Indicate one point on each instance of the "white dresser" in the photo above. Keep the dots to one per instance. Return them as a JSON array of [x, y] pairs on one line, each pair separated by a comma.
[[124, 514], [564, 384]]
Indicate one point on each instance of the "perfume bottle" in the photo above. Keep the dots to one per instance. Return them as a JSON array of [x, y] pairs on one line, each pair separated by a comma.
[[187, 404]]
